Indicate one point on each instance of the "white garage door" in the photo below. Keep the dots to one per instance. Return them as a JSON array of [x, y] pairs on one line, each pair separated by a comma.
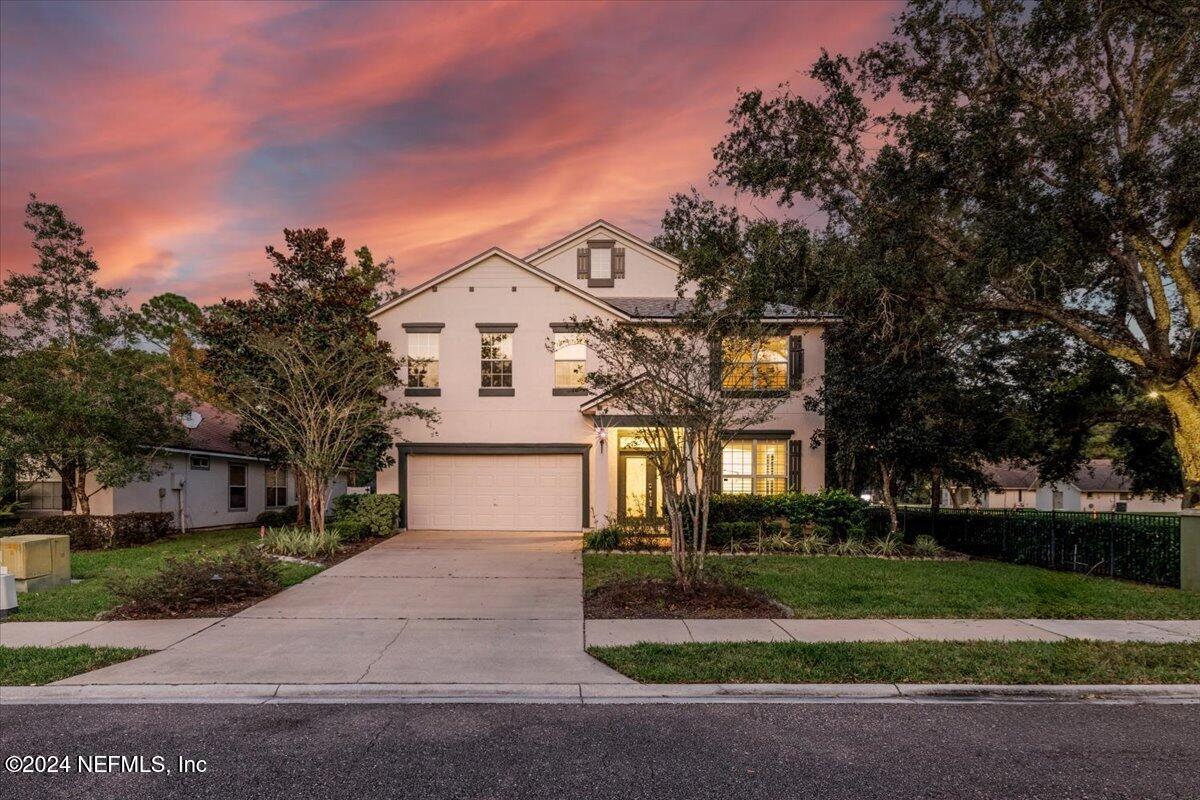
[[501, 492]]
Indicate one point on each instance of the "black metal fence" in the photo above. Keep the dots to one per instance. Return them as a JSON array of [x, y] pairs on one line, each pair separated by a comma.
[[1136, 547]]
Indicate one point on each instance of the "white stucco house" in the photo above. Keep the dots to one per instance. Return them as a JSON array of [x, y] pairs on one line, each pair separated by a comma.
[[520, 444], [210, 481], [1096, 486]]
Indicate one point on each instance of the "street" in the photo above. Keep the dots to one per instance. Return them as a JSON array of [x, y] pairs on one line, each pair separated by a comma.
[[855, 751]]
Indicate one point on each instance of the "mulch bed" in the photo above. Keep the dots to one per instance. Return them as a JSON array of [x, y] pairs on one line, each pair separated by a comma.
[[653, 598]]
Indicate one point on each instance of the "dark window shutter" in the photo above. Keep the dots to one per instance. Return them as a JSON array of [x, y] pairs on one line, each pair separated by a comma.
[[584, 263], [795, 362], [618, 262], [795, 453]]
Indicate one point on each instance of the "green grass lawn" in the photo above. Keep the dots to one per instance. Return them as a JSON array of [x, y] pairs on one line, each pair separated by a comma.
[[907, 662], [34, 666], [90, 597], [848, 588]]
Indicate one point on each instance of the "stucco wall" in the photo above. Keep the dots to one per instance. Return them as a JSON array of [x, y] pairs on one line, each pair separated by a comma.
[[647, 274]]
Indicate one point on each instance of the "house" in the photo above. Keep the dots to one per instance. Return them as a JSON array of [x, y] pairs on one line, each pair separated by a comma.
[[520, 444], [1096, 486], [210, 481]]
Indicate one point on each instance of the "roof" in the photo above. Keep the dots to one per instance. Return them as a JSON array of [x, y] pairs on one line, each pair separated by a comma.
[[671, 307], [507, 256], [1096, 475], [617, 229], [214, 434], [594, 403]]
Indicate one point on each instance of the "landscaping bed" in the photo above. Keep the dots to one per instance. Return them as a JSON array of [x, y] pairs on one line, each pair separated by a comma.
[[825, 587], [653, 598], [36, 666], [1069, 662]]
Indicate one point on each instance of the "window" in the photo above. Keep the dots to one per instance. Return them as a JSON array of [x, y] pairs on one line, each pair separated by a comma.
[[763, 365], [423, 360], [276, 487], [496, 361], [601, 263], [570, 355], [237, 487], [754, 466], [42, 496], [198, 463]]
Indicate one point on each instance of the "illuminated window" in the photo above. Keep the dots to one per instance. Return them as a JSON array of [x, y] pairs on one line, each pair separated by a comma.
[[754, 466], [423, 360], [496, 365], [570, 354], [759, 366]]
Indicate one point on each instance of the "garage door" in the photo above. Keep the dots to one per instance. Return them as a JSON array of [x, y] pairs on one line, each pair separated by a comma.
[[496, 492]]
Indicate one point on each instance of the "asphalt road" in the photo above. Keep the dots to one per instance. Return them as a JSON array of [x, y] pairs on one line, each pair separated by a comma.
[[731, 752]]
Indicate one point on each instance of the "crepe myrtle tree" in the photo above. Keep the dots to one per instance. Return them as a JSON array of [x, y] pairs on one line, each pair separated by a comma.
[[1039, 161], [314, 402], [691, 384]]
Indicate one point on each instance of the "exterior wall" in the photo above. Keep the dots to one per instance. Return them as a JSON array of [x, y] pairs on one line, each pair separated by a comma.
[[534, 415], [647, 274], [1106, 501]]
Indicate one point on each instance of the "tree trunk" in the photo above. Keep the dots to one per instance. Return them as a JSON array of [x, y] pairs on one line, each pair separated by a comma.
[[1183, 401], [83, 504], [316, 504], [301, 497], [935, 488], [889, 498]]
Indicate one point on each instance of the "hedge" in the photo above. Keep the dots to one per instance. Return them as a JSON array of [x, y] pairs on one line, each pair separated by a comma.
[[92, 532], [368, 514], [837, 512]]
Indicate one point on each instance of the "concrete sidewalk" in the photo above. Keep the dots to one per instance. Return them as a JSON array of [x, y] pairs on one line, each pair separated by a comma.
[[146, 634], [607, 632]]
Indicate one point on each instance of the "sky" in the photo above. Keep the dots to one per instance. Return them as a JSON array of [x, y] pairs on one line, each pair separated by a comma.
[[184, 137]]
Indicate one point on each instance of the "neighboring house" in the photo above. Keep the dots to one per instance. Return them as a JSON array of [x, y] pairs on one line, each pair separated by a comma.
[[1096, 486], [210, 481], [521, 445]]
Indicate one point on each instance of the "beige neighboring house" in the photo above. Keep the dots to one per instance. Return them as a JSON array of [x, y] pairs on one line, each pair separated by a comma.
[[1096, 486], [208, 482], [521, 445]]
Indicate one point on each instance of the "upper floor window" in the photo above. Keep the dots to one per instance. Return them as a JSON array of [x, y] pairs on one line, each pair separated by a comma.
[[423, 360], [570, 356], [496, 366], [755, 365], [276, 487], [198, 463], [754, 466], [601, 262]]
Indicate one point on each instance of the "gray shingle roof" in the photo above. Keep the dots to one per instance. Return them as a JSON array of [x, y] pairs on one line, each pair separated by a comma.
[[667, 307]]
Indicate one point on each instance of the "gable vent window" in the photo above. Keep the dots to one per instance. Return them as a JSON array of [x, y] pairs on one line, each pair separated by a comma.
[[600, 263]]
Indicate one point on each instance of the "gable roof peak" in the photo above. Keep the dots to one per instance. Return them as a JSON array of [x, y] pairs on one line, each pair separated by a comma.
[[616, 230]]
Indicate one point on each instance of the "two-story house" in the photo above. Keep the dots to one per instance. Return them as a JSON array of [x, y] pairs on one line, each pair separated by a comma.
[[520, 444]]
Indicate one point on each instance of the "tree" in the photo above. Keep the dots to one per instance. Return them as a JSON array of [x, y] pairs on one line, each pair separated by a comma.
[[315, 404], [318, 300], [164, 316], [73, 398], [673, 377], [1041, 163]]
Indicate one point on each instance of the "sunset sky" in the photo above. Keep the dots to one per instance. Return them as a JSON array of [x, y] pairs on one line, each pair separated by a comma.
[[184, 137]]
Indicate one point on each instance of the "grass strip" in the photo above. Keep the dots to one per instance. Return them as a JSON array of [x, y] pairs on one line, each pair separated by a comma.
[[1069, 662], [822, 587], [35, 666]]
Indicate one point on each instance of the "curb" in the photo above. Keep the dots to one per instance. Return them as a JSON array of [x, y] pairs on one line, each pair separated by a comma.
[[593, 693]]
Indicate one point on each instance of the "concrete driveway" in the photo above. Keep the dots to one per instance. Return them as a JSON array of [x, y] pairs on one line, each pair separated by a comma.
[[423, 607]]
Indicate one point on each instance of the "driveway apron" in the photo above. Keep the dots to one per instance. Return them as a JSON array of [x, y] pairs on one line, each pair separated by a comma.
[[422, 607]]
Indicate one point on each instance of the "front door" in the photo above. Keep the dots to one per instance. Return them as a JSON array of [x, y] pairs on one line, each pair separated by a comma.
[[639, 490]]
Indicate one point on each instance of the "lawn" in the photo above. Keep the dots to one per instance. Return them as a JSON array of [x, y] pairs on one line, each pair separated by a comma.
[[34, 666], [1071, 662], [848, 588], [84, 600]]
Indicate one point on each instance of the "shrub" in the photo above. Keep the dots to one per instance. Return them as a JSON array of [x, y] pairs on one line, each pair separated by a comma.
[[813, 543], [92, 532], [606, 538], [198, 583], [886, 545], [926, 546], [302, 542], [835, 510], [367, 514], [850, 546], [777, 543], [732, 534], [277, 517]]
